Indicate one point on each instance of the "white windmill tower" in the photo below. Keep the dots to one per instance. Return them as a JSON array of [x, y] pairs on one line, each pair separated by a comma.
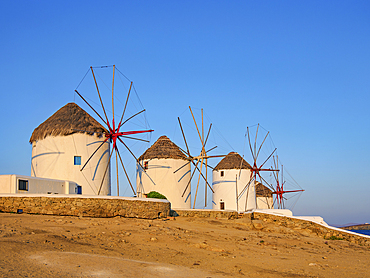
[[160, 163], [230, 193], [229, 177], [235, 181], [64, 142]]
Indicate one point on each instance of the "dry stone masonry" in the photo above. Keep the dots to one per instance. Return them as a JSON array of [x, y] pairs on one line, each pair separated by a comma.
[[208, 213], [260, 220], [89, 207]]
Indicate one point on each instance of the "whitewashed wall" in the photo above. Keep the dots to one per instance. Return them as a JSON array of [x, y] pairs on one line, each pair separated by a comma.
[[9, 184], [265, 202], [53, 158], [225, 190], [160, 177]]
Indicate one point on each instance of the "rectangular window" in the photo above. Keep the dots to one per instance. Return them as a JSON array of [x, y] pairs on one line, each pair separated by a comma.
[[222, 205], [222, 173], [77, 160], [23, 185], [146, 165], [78, 189]]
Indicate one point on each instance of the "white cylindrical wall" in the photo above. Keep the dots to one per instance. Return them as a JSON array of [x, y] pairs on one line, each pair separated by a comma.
[[265, 202], [225, 190], [160, 177], [53, 158]]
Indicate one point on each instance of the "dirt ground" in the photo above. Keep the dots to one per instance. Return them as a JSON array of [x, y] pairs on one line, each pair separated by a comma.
[[57, 246]]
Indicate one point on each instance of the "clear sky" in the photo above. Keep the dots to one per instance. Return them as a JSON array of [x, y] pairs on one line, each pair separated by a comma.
[[299, 68]]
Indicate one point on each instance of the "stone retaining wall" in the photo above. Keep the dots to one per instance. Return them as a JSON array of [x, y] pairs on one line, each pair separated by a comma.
[[89, 207], [210, 213], [304, 226]]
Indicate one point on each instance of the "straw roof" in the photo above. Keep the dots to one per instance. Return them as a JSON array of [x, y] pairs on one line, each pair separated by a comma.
[[67, 120], [163, 148], [232, 161], [263, 191]]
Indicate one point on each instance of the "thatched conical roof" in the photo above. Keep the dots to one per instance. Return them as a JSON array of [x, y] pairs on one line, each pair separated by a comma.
[[263, 191], [232, 161], [67, 120], [163, 148]]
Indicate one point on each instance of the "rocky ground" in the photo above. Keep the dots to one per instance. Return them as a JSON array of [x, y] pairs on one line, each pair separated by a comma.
[[57, 246]]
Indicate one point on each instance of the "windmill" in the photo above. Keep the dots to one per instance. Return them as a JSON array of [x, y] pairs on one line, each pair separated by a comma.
[[201, 159], [255, 170], [280, 182], [118, 132]]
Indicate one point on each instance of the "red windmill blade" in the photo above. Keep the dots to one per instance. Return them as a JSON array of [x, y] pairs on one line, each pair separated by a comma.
[[115, 132], [279, 191], [255, 168]]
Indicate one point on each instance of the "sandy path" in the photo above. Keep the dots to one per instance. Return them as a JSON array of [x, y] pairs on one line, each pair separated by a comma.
[[94, 265], [51, 246]]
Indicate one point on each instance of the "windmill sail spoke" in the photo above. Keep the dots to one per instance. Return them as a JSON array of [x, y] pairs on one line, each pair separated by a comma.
[[132, 117], [275, 174], [124, 109], [262, 144], [133, 138], [255, 142], [207, 165], [117, 172], [205, 193], [202, 128], [94, 153], [275, 161], [183, 135], [185, 153], [211, 149], [200, 137], [209, 130], [245, 187], [262, 179], [268, 158], [124, 169], [114, 67], [291, 191], [101, 101], [131, 153], [191, 177], [178, 169], [273, 203], [250, 145], [91, 107], [89, 132], [204, 177], [196, 192], [213, 156], [105, 172]]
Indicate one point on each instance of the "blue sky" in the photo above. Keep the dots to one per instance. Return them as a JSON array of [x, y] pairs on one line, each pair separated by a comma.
[[299, 68]]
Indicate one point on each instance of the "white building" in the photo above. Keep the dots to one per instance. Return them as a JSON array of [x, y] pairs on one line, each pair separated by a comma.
[[160, 162], [30, 185], [233, 188], [64, 142]]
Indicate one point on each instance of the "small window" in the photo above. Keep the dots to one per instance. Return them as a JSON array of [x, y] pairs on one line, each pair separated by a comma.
[[222, 205], [222, 173], [146, 165], [78, 189], [77, 160], [23, 185]]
